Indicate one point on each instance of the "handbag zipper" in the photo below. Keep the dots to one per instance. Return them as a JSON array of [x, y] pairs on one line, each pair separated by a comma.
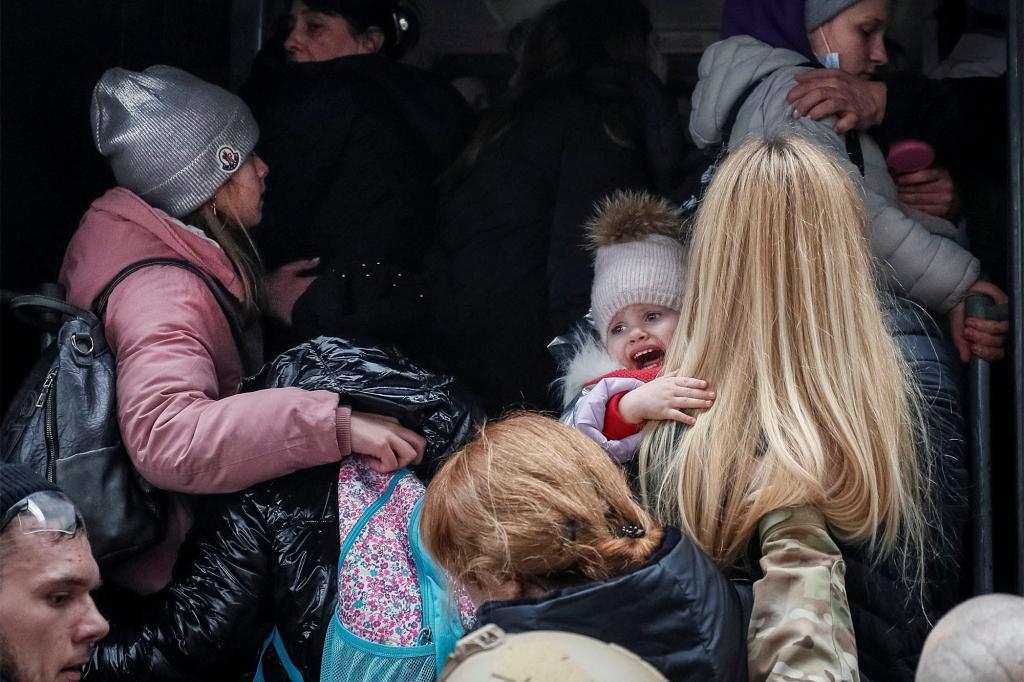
[[45, 390], [47, 400]]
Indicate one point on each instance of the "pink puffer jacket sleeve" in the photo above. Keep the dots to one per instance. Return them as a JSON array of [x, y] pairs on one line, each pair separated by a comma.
[[588, 412], [177, 371]]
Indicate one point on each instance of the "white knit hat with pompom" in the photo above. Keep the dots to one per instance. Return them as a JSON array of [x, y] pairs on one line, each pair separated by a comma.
[[639, 258]]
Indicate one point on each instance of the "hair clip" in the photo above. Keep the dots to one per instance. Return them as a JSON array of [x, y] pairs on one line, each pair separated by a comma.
[[632, 530]]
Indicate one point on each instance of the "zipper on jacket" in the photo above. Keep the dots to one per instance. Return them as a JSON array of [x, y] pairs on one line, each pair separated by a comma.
[[48, 400], [45, 390]]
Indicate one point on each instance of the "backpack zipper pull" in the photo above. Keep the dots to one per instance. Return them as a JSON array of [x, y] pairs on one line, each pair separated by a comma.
[[45, 390], [426, 637]]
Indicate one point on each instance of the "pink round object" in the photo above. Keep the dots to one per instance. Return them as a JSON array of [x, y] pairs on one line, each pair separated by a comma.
[[909, 156]]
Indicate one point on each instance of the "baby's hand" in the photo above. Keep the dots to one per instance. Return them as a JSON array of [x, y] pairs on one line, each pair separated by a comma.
[[665, 398]]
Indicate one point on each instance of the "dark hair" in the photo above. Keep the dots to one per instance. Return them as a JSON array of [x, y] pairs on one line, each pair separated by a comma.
[[398, 21], [564, 40], [576, 34]]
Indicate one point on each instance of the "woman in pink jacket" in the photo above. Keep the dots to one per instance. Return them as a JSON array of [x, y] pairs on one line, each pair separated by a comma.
[[189, 187]]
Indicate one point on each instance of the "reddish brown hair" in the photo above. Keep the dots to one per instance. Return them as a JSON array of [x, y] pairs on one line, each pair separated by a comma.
[[531, 499]]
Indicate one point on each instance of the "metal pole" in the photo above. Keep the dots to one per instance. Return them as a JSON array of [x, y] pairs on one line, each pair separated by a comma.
[[1015, 101], [980, 405], [980, 394]]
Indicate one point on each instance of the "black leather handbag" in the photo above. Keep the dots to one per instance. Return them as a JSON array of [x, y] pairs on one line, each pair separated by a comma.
[[63, 421]]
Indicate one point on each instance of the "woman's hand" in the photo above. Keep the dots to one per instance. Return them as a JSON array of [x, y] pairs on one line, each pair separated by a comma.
[[985, 339], [930, 191], [383, 439], [285, 285], [665, 398], [855, 102]]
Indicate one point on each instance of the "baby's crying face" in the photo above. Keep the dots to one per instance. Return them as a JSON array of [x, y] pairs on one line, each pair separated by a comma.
[[639, 335]]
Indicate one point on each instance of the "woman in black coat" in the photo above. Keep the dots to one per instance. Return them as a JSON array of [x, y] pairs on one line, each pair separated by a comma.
[[357, 141], [585, 116]]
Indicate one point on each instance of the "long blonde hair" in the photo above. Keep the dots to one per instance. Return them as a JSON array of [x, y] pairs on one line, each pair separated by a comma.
[[531, 499], [234, 238], [815, 405]]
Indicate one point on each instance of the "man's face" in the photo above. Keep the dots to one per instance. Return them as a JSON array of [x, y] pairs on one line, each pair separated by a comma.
[[49, 621]]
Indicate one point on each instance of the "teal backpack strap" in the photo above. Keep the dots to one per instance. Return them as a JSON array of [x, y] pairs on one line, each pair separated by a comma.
[[368, 513], [282, 654], [440, 617]]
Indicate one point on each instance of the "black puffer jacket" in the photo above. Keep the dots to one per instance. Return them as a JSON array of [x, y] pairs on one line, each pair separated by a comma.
[[261, 558], [678, 612], [257, 559], [267, 557]]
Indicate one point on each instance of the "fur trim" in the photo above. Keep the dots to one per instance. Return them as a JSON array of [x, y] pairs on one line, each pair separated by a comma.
[[628, 216], [590, 360]]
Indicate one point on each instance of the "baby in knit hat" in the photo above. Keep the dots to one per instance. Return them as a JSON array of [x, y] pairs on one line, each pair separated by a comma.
[[639, 270]]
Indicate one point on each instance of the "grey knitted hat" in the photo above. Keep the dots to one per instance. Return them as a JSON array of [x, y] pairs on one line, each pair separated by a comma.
[[639, 258], [817, 12], [171, 138]]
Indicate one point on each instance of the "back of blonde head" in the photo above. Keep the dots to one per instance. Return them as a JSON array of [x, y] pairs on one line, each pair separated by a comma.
[[815, 407], [532, 499]]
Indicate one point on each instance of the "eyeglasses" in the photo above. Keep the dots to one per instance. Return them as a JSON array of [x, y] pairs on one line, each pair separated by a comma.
[[47, 511]]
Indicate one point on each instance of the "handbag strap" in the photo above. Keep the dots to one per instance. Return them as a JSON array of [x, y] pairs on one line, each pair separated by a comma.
[[23, 304], [249, 350]]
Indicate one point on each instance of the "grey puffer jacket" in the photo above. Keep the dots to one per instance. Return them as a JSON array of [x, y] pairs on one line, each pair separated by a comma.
[[922, 258]]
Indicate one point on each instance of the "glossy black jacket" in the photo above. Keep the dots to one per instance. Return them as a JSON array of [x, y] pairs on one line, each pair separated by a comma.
[[678, 612], [267, 556], [260, 558]]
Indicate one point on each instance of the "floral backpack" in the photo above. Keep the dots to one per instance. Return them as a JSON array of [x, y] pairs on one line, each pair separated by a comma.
[[393, 619]]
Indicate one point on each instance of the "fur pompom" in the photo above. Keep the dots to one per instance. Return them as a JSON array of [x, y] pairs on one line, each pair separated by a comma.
[[628, 216]]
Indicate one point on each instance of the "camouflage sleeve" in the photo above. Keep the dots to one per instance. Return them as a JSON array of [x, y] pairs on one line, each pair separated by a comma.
[[801, 628]]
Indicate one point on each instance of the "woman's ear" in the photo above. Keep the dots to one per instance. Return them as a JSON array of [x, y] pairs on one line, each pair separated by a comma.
[[371, 41]]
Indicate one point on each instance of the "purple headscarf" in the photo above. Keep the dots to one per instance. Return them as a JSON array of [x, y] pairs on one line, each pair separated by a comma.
[[779, 23]]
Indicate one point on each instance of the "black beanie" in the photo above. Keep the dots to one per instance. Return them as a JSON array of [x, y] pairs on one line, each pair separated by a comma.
[[18, 481]]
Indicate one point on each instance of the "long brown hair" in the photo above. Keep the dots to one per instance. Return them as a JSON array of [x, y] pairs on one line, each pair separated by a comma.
[[782, 317], [532, 499]]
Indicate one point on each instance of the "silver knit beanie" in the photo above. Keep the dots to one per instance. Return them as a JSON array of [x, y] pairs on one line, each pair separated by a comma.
[[639, 258], [171, 138], [817, 12]]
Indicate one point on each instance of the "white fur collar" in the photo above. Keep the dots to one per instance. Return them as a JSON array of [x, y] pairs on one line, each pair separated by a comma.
[[589, 361]]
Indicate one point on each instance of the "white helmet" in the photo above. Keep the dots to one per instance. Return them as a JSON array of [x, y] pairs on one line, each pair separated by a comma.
[[542, 656]]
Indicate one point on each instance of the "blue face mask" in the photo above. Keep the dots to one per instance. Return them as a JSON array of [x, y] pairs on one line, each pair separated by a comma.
[[831, 59]]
